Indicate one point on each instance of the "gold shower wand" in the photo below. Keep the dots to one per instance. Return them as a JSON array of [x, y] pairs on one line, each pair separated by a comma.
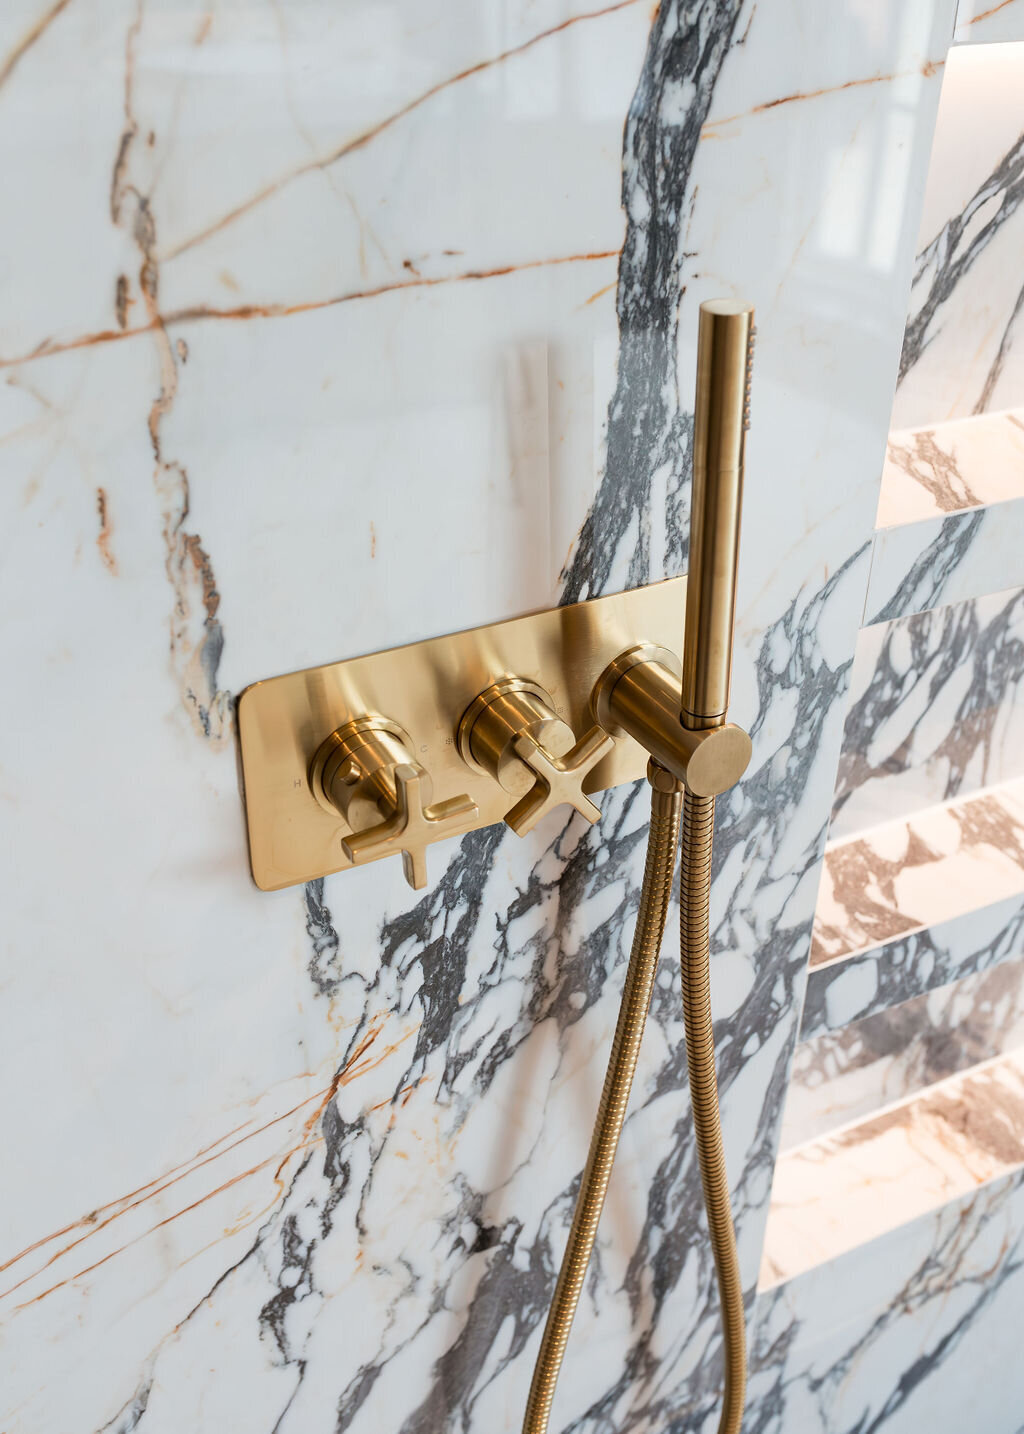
[[721, 417]]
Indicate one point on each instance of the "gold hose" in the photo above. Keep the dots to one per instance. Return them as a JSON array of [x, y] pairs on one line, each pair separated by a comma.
[[695, 879], [694, 895], [636, 998]]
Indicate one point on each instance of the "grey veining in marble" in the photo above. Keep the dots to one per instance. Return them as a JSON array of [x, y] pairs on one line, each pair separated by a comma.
[[390, 1095], [847, 1074], [923, 1333], [944, 263], [887, 975], [936, 709], [945, 561], [963, 350]]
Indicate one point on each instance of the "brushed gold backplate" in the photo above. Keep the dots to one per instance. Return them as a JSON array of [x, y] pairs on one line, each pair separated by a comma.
[[425, 688]]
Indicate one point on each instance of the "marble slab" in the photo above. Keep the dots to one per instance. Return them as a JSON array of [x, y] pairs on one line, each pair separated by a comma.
[[328, 328], [950, 515], [936, 711], [903, 876], [919, 1329], [963, 350], [983, 22], [886, 975], [844, 1075], [967, 463], [843, 1190], [942, 562]]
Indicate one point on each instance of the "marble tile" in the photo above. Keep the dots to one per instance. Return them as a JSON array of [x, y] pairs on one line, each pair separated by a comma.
[[940, 562], [918, 1330], [963, 351], [844, 1190], [905, 875], [329, 327], [847, 1074], [936, 711], [950, 515], [968, 463], [893, 972], [984, 22]]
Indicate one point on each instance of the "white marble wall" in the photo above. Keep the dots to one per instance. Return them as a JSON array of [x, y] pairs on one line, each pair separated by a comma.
[[325, 328], [964, 347], [985, 22]]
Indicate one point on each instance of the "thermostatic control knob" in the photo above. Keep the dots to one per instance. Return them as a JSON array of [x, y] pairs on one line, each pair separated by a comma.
[[511, 727], [365, 772]]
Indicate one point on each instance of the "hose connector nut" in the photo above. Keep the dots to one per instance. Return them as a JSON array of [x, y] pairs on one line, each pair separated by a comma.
[[661, 779]]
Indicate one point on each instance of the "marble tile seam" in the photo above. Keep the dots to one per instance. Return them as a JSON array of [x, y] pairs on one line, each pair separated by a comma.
[[839, 1076], [922, 1153], [893, 1107], [849, 989], [1012, 787], [899, 879], [952, 466]]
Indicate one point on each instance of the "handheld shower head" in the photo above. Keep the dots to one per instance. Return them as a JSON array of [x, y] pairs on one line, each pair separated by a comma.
[[721, 417]]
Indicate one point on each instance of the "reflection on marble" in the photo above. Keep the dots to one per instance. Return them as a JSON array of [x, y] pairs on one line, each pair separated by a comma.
[[918, 1330], [329, 327], [846, 1074], [857, 986], [936, 711], [963, 351], [902, 875], [842, 1190]]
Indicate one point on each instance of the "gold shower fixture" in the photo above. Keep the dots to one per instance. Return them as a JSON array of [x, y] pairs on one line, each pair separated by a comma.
[[340, 765]]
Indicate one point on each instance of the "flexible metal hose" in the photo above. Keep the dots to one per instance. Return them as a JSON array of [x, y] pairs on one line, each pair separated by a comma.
[[694, 898], [636, 998], [695, 886]]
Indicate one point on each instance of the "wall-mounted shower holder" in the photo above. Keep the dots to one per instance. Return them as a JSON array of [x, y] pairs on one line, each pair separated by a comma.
[[385, 754]]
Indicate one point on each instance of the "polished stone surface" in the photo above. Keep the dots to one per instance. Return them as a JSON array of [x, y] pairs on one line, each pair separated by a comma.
[[328, 328]]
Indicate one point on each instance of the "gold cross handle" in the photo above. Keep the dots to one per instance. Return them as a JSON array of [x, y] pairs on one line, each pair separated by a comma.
[[412, 826], [559, 779]]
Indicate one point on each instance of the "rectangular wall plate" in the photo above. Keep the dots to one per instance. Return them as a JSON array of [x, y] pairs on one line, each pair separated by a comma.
[[425, 688]]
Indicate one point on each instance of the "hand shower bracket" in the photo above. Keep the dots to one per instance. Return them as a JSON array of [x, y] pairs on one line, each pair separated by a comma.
[[638, 695]]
